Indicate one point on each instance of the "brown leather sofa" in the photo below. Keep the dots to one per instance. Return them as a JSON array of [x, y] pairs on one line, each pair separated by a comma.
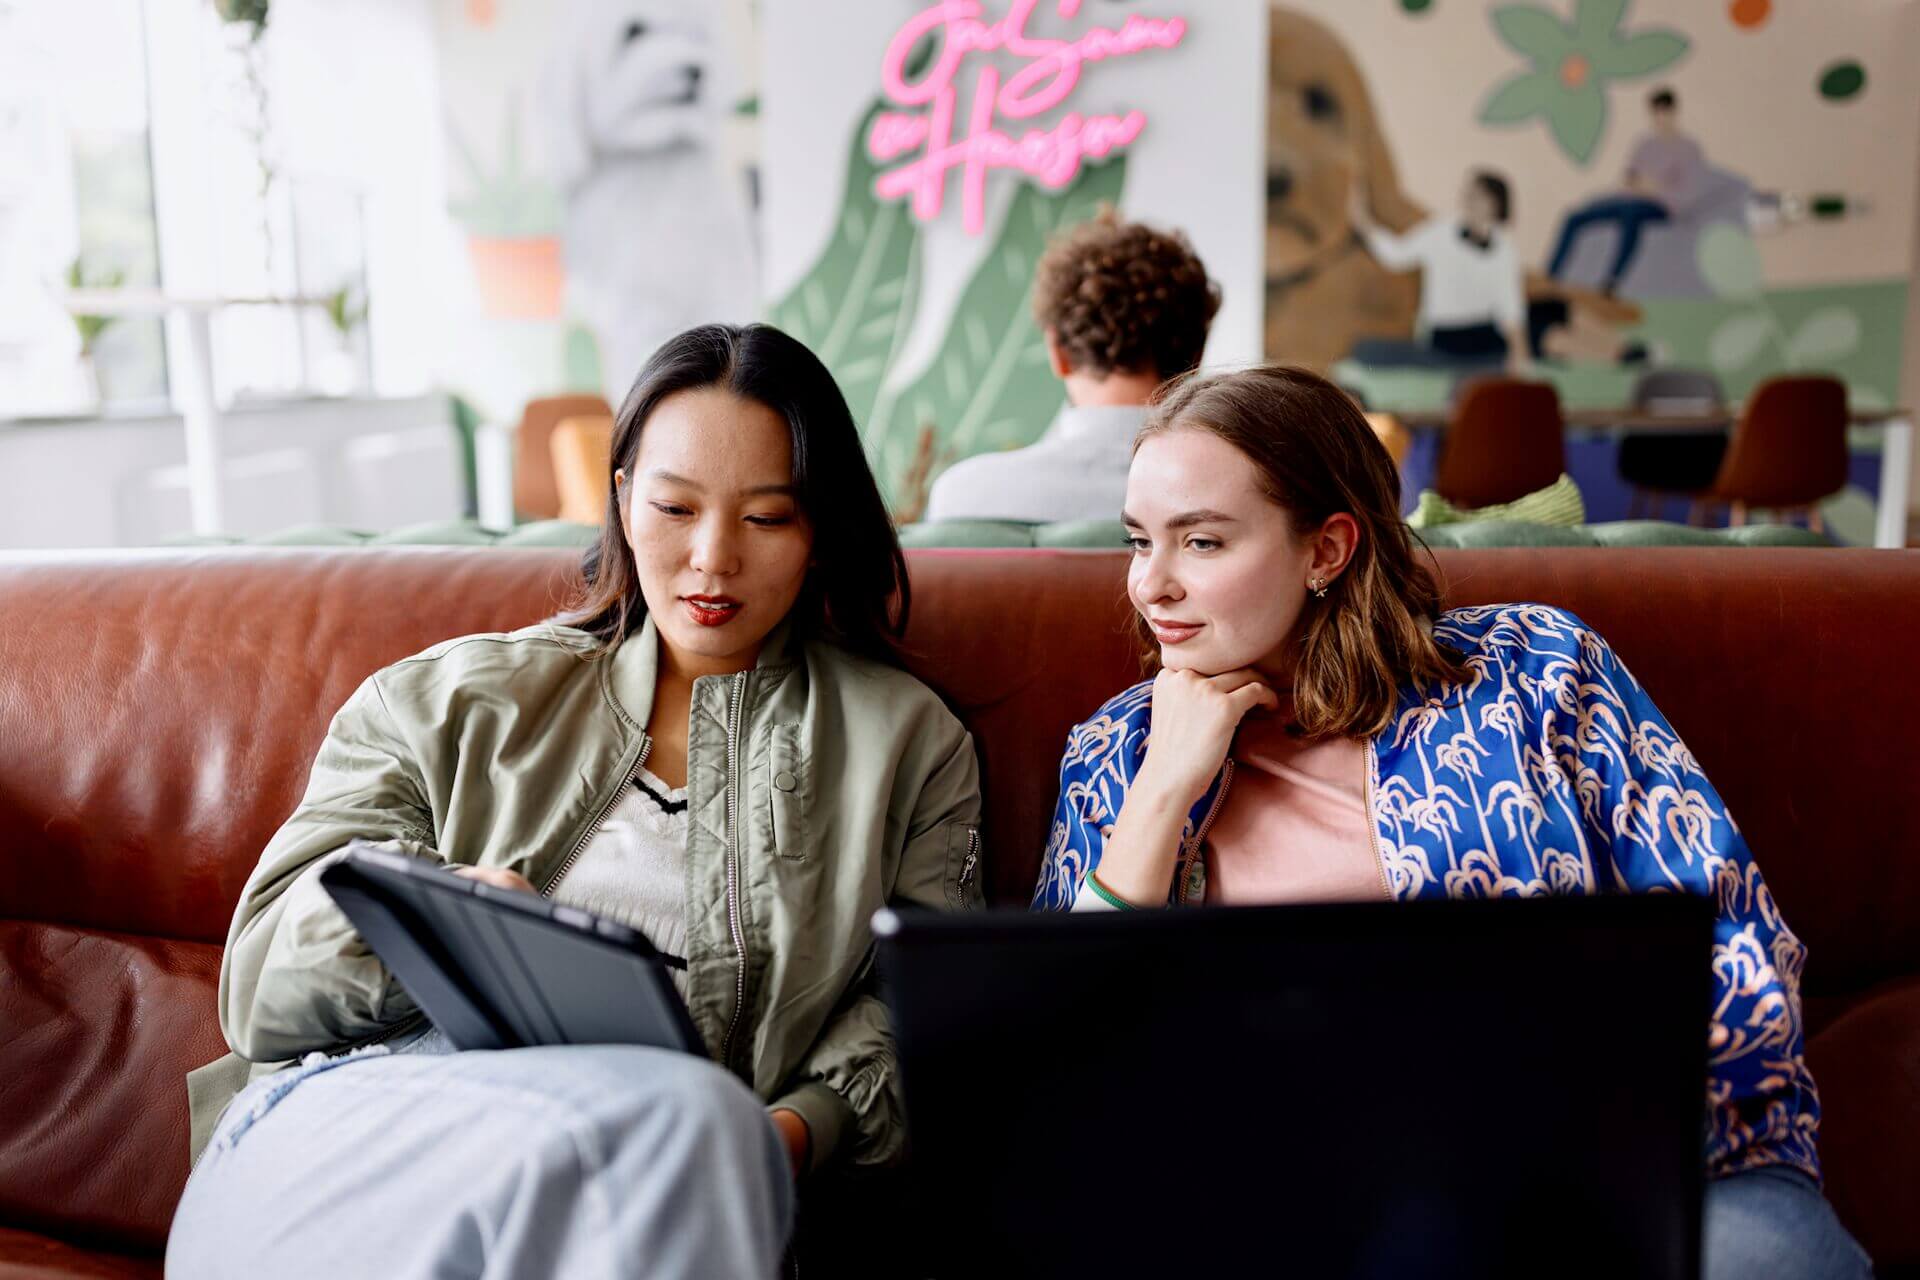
[[158, 713]]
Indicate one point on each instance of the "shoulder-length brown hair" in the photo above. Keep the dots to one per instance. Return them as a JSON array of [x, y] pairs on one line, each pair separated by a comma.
[[856, 594], [1316, 456]]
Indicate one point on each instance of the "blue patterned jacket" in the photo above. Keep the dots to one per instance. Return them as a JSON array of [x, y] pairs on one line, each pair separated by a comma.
[[1549, 771]]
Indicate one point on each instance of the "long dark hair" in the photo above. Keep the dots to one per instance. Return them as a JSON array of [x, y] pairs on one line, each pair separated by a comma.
[[856, 594], [1315, 456]]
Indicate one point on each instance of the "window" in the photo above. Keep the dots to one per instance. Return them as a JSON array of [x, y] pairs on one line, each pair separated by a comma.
[[76, 203]]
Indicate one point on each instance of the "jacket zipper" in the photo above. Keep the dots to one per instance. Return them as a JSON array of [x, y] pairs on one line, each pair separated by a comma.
[[1373, 827], [972, 861], [566, 865], [1193, 846], [734, 705]]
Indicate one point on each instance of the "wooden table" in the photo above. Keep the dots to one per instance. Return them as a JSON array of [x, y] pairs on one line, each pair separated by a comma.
[[1896, 455]]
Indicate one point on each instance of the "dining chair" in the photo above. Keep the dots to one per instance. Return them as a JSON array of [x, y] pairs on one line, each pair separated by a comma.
[[1505, 439], [1788, 451], [1663, 464]]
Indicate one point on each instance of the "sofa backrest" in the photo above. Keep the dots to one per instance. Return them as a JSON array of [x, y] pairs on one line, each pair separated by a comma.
[[159, 711]]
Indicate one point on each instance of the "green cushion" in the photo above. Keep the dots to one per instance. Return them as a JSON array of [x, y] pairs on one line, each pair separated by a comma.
[[967, 533], [1107, 535], [550, 533], [1776, 535], [1502, 533], [1559, 503], [1101, 534], [311, 535], [1658, 533], [437, 533]]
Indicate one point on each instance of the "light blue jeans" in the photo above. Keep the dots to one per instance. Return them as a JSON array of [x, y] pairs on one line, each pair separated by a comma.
[[1774, 1222], [576, 1161]]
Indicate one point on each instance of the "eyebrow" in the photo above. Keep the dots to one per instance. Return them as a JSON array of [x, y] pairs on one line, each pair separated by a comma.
[[764, 490], [1185, 520]]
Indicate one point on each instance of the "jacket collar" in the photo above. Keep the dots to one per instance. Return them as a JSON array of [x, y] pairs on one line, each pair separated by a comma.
[[636, 666]]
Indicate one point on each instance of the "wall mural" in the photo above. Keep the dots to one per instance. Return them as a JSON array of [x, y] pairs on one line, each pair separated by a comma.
[[1643, 246], [1574, 64], [978, 133], [989, 386]]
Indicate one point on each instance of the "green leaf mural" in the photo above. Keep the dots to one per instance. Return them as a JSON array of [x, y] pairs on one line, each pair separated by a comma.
[[1822, 340], [1829, 334], [856, 303], [1739, 339], [1729, 262], [989, 386], [1571, 66]]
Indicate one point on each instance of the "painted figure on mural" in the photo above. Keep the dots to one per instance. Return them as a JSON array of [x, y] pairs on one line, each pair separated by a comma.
[[1640, 241], [1335, 201], [658, 233], [1664, 178], [1473, 306]]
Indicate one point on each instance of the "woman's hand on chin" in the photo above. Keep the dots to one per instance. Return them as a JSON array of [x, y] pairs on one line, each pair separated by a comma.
[[1194, 719]]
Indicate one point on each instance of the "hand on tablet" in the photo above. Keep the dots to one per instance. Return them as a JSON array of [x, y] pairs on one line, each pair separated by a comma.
[[498, 877]]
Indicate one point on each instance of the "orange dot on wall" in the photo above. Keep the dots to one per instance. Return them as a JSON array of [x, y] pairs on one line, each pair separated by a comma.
[[481, 13], [1573, 72], [1750, 13]]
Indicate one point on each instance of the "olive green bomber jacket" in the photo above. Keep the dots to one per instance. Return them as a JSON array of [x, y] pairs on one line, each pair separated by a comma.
[[820, 787]]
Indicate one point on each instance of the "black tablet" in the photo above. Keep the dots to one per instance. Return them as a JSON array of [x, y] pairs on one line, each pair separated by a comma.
[[497, 969]]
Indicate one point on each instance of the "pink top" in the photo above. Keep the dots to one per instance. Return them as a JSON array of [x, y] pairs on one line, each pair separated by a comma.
[[1295, 826]]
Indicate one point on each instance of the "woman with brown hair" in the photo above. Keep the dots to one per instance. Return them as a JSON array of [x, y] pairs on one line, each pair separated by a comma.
[[716, 747], [1319, 729]]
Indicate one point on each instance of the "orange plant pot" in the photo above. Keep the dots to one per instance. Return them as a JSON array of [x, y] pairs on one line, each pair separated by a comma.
[[520, 278]]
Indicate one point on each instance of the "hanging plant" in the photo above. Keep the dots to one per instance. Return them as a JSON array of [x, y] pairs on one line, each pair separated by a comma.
[[251, 12]]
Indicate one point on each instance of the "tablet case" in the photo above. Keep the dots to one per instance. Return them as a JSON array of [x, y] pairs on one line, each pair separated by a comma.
[[499, 969]]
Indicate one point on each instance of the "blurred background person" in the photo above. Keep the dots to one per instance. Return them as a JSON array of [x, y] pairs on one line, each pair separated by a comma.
[[1122, 307]]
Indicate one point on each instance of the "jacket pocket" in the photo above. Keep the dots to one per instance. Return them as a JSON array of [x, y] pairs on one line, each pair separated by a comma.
[[787, 790], [965, 892]]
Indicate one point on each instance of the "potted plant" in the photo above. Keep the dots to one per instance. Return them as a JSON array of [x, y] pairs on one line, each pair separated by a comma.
[[92, 326], [337, 369], [512, 221]]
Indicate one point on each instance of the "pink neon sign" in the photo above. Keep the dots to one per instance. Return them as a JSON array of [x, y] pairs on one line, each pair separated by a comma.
[[1051, 156]]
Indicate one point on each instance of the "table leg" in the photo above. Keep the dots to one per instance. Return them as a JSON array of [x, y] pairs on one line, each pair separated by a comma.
[[493, 474], [1896, 484], [202, 419]]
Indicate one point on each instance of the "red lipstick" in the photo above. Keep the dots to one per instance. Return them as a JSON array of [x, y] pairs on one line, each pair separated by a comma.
[[712, 611]]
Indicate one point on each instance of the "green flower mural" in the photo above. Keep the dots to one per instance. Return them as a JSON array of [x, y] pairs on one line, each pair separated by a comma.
[[1572, 66]]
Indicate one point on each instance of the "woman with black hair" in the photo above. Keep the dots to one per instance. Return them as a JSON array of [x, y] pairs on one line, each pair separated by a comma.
[[714, 746]]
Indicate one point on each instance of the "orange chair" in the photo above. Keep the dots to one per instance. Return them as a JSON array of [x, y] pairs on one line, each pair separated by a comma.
[[536, 496], [1393, 434], [1789, 449], [582, 451], [1505, 439]]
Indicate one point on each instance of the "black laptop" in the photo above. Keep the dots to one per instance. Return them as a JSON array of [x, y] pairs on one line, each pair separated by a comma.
[[1458, 1089]]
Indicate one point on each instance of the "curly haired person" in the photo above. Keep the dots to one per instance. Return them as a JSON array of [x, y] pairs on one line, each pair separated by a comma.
[[1123, 307]]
